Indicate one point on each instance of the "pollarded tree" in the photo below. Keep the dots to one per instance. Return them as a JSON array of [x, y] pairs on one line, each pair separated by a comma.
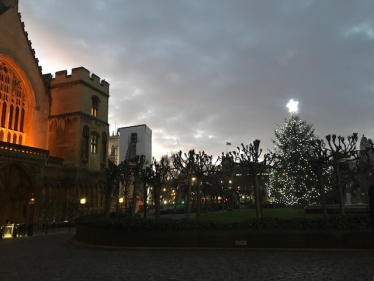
[[203, 167], [248, 158], [112, 180], [184, 163], [137, 164], [341, 152], [125, 181], [320, 167], [159, 175], [292, 181]]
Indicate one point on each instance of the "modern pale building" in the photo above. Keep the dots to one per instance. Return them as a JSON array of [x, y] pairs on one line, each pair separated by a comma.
[[135, 140]]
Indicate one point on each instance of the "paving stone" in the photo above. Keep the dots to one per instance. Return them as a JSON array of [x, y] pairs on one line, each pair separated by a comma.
[[50, 257]]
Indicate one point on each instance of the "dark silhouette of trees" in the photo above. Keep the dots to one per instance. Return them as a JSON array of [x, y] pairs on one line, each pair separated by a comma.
[[137, 164], [248, 158], [145, 176], [203, 167], [184, 163], [125, 180], [159, 175], [112, 180], [340, 152], [319, 162]]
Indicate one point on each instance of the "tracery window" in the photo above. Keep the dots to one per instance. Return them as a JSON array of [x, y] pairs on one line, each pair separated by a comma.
[[12, 105], [94, 138]]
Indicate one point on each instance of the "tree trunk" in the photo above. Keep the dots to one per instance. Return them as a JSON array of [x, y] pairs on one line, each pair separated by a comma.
[[188, 206], [117, 203], [198, 199], [322, 189], [126, 198], [341, 197], [145, 197], [257, 198], [133, 206], [157, 202]]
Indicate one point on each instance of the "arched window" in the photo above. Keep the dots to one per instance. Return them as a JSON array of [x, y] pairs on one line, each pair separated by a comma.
[[95, 105], [12, 104], [112, 150], [94, 141]]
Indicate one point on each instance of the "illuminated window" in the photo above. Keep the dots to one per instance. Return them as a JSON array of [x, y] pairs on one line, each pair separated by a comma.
[[94, 142], [12, 105], [95, 105]]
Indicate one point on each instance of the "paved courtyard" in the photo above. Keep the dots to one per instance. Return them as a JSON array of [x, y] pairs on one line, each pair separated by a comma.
[[50, 257]]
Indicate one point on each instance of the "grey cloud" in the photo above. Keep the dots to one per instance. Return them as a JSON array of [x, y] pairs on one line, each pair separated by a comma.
[[221, 69]]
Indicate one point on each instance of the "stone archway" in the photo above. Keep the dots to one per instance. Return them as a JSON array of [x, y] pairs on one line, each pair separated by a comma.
[[16, 188]]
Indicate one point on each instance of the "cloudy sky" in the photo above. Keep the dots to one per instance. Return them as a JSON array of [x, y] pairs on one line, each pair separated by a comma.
[[202, 73]]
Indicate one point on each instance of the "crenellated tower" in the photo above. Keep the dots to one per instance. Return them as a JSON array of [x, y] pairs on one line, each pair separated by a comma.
[[78, 122]]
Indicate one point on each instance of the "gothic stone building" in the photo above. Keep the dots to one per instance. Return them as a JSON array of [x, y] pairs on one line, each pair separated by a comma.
[[53, 133]]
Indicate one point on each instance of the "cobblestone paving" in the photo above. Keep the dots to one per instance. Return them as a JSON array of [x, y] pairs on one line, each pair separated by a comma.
[[50, 257]]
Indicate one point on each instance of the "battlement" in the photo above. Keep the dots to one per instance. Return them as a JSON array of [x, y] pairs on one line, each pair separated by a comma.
[[80, 74], [9, 3]]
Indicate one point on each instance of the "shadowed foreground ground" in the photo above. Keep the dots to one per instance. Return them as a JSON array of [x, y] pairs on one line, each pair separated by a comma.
[[49, 257]]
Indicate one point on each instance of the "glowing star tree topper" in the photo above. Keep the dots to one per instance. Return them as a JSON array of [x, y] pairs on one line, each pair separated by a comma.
[[292, 106]]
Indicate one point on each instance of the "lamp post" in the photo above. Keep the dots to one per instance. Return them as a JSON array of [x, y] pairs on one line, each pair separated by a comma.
[[193, 194], [82, 201], [120, 200], [31, 222]]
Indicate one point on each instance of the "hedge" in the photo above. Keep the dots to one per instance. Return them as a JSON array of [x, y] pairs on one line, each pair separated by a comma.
[[333, 222]]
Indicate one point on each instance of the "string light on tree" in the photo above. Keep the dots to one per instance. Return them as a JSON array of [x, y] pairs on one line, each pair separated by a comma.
[[292, 106], [292, 182]]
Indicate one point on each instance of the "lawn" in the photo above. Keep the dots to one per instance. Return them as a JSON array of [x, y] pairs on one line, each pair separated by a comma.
[[242, 214]]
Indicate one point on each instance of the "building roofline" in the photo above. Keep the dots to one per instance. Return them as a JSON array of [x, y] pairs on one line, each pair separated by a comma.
[[141, 125]]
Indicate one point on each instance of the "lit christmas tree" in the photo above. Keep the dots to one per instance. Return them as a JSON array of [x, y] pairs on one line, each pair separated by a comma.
[[292, 182]]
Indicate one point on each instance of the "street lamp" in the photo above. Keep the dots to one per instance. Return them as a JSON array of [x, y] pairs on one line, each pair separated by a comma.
[[120, 200], [31, 222], [32, 199], [82, 201]]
